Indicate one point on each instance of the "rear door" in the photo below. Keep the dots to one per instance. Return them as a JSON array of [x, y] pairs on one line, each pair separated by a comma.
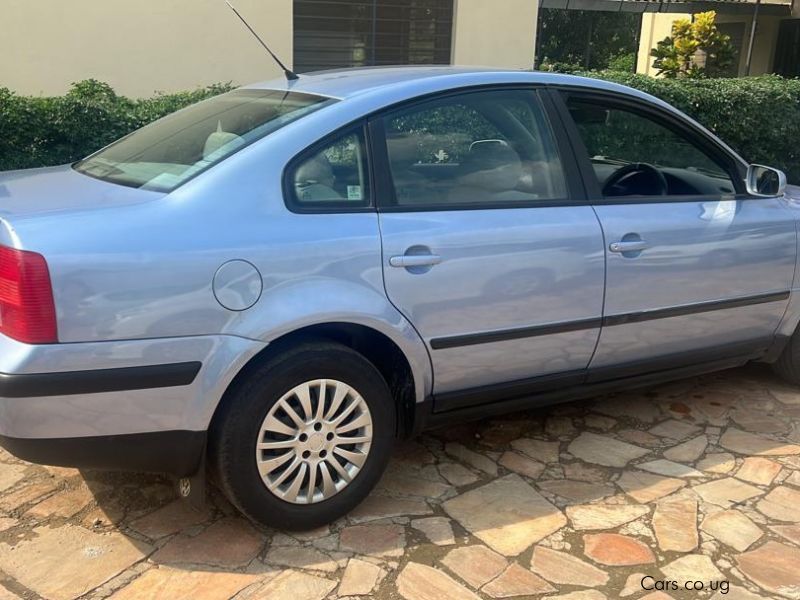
[[487, 251], [696, 269]]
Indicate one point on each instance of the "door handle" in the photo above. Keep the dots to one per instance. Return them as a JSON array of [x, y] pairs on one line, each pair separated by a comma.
[[629, 246], [415, 260]]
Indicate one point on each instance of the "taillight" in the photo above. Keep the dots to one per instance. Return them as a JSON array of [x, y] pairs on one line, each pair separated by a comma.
[[27, 310]]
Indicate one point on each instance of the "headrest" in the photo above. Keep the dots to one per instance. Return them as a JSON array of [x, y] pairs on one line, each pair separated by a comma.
[[219, 143], [315, 170], [491, 165]]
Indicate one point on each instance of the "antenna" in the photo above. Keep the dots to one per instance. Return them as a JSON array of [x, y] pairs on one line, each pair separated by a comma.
[[290, 75]]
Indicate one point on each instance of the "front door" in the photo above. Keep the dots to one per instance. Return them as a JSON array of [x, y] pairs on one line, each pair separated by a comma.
[[483, 252], [696, 269]]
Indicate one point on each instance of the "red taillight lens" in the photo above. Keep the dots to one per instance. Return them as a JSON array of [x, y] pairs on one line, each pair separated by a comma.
[[27, 310]]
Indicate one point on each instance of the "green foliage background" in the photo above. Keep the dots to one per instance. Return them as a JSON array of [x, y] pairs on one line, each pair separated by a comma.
[[758, 116], [587, 39], [43, 131]]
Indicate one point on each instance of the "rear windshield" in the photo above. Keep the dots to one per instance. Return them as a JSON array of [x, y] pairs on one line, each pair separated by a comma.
[[165, 154]]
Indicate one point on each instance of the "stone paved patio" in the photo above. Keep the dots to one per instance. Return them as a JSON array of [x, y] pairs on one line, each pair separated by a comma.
[[694, 481]]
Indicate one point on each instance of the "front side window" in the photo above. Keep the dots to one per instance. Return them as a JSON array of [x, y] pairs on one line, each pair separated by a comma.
[[332, 176], [479, 148], [632, 154], [167, 153]]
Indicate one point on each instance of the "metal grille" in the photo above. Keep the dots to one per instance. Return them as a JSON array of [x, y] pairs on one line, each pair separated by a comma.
[[356, 33]]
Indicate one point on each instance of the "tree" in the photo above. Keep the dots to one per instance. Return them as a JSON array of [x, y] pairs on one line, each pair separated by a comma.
[[585, 39], [695, 49]]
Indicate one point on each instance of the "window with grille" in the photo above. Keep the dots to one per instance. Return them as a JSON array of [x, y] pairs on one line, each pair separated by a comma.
[[357, 33]]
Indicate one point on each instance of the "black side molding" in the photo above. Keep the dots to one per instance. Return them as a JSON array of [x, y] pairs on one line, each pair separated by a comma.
[[72, 383], [514, 334], [609, 321], [690, 309], [175, 452]]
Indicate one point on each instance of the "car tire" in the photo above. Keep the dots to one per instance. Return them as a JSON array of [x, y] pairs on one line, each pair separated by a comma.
[[788, 363], [256, 409]]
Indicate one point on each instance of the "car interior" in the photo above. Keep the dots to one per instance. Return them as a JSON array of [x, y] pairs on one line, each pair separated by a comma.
[[447, 153], [478, 150], [333, 174], [486, 148], [634, 155]]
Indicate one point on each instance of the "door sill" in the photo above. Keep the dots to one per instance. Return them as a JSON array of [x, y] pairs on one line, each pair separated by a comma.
[[556, 388]]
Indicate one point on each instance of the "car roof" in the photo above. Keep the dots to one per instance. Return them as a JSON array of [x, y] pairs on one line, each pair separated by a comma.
[[347, 83]]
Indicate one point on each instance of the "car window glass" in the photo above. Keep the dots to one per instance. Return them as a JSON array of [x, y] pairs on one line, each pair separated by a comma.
[[633, 154], [334, 175], [478, 148], [167, 153]]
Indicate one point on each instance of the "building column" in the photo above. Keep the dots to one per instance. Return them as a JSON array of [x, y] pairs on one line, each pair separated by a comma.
[[495, 34], [655, 27]]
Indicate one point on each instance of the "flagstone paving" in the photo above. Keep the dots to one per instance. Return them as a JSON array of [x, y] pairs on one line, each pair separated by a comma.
[[696, 481]]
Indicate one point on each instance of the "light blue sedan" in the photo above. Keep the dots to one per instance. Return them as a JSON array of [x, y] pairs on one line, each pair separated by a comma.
[[276, 283]]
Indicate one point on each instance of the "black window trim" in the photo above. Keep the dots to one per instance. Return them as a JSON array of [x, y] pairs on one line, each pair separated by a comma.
[[386, 201], [736, 171], [357, 127]]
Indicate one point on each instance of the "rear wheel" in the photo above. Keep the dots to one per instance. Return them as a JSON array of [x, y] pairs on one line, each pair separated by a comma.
[[788, 364], [305, 438]]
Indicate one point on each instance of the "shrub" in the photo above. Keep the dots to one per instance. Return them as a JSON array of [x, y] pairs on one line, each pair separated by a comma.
[[43, 131], [757, 116], [622, 62]]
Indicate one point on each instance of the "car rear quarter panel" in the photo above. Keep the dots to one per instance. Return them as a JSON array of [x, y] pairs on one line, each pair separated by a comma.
[[144, 270]]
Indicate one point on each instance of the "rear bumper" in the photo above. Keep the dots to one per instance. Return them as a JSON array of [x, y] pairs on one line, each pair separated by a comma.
[[134, 404], [174, 452]]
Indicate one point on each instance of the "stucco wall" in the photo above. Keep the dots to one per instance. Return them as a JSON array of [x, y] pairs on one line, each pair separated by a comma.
[[168, 45], [138, 47], [495, 33]]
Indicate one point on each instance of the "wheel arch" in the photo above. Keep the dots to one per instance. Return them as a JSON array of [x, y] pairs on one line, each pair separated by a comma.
[[407, 377]]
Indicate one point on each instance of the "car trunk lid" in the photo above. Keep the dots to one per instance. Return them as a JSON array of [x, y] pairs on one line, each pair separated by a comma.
[[35, 192]]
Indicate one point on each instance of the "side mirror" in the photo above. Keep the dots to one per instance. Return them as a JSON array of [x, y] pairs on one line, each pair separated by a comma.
[[765, 181]]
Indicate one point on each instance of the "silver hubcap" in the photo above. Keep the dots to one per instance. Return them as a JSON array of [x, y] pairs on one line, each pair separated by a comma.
[[314, 441]]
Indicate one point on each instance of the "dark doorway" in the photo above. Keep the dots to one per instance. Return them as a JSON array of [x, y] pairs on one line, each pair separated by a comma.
[[736, 31], [787, 51]]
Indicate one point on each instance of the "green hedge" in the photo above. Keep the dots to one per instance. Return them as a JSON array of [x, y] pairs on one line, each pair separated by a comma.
[[43, 131], [757, 116]]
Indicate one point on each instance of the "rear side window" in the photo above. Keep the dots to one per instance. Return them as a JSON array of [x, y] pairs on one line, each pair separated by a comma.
[[331, 175], [169, 152], [480, 148]]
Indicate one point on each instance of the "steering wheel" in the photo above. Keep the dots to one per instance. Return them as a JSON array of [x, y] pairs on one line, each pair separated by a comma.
[[636, 168]]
